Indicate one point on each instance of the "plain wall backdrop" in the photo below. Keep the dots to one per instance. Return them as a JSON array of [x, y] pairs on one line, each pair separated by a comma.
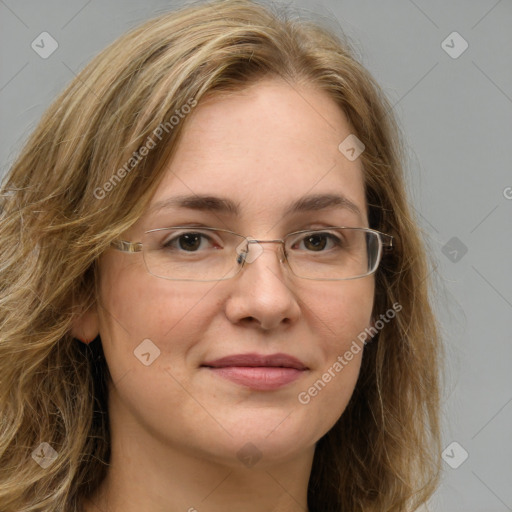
[[447, 69]]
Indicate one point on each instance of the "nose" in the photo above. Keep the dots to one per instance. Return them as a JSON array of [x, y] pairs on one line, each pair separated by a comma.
[[262, 293]]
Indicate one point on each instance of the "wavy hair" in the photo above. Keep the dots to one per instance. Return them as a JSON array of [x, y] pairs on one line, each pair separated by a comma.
[[57, 218]]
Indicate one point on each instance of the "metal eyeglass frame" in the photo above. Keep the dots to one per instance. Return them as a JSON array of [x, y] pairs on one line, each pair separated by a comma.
[[385, 245]]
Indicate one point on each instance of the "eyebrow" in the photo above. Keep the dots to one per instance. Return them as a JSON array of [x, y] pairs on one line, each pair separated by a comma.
[[210, 203]]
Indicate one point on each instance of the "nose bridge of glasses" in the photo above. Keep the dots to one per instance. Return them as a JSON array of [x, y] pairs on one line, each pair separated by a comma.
[[251, 254]]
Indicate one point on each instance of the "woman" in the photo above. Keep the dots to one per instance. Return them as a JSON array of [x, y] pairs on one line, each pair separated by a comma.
[[214, 294]]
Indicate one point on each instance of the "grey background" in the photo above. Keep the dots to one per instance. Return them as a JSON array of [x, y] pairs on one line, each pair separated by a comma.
[[457, 117]]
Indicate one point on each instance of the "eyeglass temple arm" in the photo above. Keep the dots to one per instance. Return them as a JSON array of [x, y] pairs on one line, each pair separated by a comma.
[[124, 246], [387, 241]]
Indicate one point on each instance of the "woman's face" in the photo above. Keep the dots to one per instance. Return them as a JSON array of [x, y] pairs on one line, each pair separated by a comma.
[[263, 149]]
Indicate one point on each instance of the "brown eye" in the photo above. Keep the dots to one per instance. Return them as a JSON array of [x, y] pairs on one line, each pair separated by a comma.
[[315, 242], [318, 242], [189, 242]]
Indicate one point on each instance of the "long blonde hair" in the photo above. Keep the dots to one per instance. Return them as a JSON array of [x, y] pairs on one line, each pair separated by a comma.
[[58, 215]]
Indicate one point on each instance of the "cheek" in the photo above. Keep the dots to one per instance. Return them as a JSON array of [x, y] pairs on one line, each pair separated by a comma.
[[137, 307], [340, 312], [340, 316]]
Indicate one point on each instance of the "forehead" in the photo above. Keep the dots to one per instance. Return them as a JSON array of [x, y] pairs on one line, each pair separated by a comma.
[[264, 149]]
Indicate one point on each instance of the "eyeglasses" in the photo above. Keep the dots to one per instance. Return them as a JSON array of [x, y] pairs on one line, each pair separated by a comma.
[[185, 253]]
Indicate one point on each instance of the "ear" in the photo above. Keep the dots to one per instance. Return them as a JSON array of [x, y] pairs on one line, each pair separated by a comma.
[[86, 327]]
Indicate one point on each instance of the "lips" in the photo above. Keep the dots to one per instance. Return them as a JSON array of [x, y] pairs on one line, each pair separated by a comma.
[[256, 371], [254, 360]]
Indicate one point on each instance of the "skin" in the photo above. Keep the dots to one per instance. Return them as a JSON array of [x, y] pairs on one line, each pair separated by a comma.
[[177, 427]]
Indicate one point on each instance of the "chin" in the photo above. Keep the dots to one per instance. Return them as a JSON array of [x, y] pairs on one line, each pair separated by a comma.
[[269, 437]]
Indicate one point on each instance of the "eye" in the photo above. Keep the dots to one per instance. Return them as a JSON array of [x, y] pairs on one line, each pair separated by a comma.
[[318, 241], [192, 241]]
